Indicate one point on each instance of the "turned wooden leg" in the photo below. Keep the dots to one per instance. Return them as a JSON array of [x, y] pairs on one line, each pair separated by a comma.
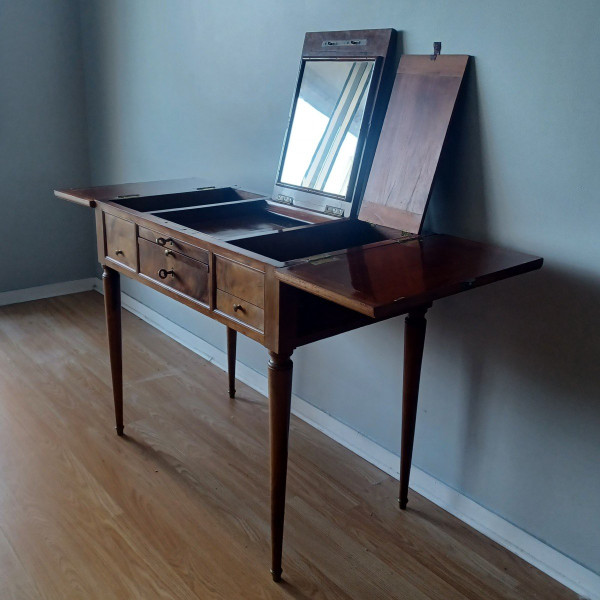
[[414, 340], [231, 351], [112, 304], [280, 394]]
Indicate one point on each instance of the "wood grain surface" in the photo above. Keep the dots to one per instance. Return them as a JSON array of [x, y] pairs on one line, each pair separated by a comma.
[[179, 507], [411, 141]]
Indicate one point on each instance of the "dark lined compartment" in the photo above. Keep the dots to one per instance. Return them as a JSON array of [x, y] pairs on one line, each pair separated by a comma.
[[185, 199], [311, 241], [233, 221]]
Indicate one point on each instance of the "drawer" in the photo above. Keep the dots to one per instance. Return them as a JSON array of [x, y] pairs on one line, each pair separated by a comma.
[[240, 310], [179, 272], [120, 243], [174, 244], [241, 281]]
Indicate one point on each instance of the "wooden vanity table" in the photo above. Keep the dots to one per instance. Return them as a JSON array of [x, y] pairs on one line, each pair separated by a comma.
[[337, 246]]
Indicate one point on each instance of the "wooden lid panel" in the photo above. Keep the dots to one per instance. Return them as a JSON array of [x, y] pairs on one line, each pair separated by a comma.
[[411, 141]]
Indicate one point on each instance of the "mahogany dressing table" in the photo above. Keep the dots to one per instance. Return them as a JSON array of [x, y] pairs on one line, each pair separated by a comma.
[[338, 245]]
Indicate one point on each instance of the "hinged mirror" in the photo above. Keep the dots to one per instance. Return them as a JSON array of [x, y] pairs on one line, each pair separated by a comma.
[[331, 121], [326, 124]]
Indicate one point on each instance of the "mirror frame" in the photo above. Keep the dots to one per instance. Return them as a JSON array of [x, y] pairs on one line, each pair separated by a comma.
[[373, 45]]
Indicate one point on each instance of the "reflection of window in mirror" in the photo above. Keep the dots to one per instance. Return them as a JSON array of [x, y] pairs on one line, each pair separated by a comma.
[[326, 124]]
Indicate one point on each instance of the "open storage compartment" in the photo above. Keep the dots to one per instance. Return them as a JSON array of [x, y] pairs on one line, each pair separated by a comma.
[[232, 220], [199, 197], [315, 240]]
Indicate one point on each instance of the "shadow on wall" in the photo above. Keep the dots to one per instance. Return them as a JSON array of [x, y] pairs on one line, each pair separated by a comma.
[[530, 361], [544, 324], [541, 331], [458, 204]]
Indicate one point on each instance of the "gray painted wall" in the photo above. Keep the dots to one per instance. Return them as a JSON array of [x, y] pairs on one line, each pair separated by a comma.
[[510, 409], [43, 144]]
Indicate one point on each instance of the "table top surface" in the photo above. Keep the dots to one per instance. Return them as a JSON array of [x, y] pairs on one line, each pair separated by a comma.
[[382, 279]]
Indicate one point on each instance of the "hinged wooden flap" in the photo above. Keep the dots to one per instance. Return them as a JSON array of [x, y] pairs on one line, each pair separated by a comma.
[[389, 279], [89, 196], [411, 140]]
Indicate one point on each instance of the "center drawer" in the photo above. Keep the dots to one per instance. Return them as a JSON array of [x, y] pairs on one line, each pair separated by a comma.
[[173, 269], [174, 244]]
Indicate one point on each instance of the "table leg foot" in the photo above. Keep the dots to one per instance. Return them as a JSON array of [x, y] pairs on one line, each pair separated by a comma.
[[112, 304], [231, 356], [414, 341], [280, 395]]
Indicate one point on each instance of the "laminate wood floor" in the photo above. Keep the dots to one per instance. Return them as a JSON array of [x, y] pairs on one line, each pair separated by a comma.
[[179, 508]]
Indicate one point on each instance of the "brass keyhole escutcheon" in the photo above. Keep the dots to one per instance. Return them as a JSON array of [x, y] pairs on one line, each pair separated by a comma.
[[163, 273]]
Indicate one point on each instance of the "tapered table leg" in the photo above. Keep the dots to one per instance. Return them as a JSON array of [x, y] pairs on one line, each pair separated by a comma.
[[280, 393], [112, 304], [231, 354], [414, 340]]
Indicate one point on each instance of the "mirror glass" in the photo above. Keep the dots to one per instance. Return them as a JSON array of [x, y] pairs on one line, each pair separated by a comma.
[[325, 125]]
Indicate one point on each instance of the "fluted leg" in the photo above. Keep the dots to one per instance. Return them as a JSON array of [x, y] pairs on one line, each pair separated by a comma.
[[231, 355], [414, 340], [112, 304], [280, 393]]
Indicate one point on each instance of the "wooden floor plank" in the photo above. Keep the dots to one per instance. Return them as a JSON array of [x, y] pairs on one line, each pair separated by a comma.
[[15, 581], [179, 507]]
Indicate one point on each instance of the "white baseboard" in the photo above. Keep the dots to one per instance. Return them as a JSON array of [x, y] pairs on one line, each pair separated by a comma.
[[581, 580], [48, 291]]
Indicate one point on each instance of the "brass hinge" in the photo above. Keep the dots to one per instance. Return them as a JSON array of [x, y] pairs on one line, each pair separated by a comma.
[[319, 260], [404, 235], [355, 42], [284, 199], [334, 211]]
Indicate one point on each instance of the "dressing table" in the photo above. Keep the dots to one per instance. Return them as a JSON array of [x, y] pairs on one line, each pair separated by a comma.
[[339, 244]]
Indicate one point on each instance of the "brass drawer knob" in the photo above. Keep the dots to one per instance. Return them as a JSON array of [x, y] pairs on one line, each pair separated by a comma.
[[163, 273], [168, 252], [119, 253], [161, 241], [237, 307]]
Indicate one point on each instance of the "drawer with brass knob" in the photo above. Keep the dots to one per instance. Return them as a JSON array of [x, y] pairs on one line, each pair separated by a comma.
[[172, 244], [239, 309], [174, 270], [119, 241]]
